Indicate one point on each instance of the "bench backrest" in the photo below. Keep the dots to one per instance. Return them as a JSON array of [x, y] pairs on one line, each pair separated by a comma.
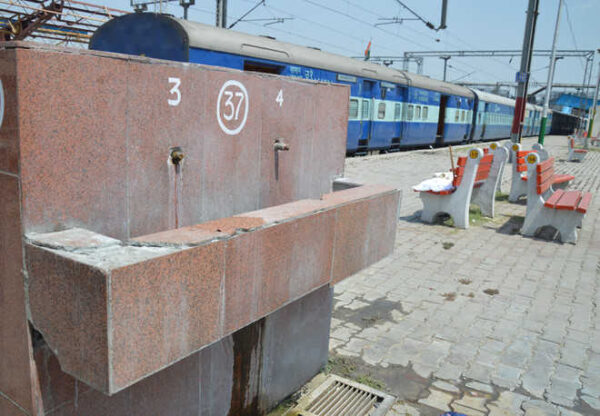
[[521, 162], [483, 170], [545, 175]]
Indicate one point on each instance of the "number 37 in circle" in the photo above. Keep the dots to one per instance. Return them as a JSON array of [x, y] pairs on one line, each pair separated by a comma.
[[232, 107]]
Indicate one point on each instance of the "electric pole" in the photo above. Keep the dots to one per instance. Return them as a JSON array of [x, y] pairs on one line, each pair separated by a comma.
[[523, 74], [221, 13], [550, 77], [445, 58], [594, 103]]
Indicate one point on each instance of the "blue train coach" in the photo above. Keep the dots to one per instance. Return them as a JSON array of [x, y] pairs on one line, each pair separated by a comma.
[[388, 109]]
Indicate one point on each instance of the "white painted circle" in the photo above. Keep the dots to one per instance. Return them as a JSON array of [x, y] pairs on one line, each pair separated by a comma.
[[244, 100], [1, 103]]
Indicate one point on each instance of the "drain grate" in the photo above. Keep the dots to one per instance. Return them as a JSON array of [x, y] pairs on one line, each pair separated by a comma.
[[341, 397]]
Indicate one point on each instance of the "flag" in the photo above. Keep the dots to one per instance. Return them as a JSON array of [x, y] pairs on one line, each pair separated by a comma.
[[368, 51]]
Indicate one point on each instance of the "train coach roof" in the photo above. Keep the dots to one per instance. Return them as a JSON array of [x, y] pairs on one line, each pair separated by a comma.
[[493, 98], [209, 37], [238, 43], [421, 81]]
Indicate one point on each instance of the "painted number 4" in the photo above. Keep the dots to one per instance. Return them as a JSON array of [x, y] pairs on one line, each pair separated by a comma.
[[175, 92], [279, 99]]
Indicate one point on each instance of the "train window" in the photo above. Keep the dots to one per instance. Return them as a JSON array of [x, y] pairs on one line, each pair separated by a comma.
[[411, 109], [463, 116], [397, 111], [253, 66], [418, 112], [365, 110], [456, 114], [425, 111], [381, 111], [479, 118], [353, 109]]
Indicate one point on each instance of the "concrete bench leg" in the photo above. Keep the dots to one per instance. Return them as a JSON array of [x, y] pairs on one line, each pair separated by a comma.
[[434, 205], [566, 222], [518, 188], [485, 195]]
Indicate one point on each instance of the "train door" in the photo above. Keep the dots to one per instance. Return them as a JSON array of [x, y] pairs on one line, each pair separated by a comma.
[[366, 123], [483, 120], [439, 137]]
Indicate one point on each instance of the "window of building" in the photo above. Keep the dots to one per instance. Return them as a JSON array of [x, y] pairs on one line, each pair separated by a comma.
[[353, 112], [381, 111]]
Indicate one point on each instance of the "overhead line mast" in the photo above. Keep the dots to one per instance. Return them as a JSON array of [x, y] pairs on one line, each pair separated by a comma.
[[523, 74]]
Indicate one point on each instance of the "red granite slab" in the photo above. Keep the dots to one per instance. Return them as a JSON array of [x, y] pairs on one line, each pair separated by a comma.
[[232, 165], [117, 313], [9, 409], [9, 131], [328, 153], [68, 306], [159, 120], [73, 141], [365, 233], [286, 174], [15, 366], [164, 309]]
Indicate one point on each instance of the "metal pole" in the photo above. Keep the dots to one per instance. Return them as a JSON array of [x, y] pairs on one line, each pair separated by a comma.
[[221, 13], [587, 88], [550, 77], [581, 112], [594, 104], [523, 79], [445, 58]]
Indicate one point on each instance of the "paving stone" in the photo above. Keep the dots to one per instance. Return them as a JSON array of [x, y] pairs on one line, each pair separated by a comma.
[[342, 333], [539, 408], [403, 409], [506, 376], [486, 388], [442, 385], [449, 371], [540, 325], [594, 402], [508, 403], [472, 401], [466, 410], [438, 400]]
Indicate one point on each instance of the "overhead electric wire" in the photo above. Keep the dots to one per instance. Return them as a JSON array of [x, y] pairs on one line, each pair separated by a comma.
[[284, 31], [571, 30]]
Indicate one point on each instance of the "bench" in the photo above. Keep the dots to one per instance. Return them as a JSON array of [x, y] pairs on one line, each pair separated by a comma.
[[484, 195], [575, 155], [562, 210], [508, 145], [518, 184], [471, 172], [594, 141]]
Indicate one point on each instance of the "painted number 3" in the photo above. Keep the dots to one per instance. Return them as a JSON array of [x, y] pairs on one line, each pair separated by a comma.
[[175, 93], [279, 99]]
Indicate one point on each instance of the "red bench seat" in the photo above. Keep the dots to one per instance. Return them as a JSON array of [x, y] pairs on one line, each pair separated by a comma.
[[569, 200]]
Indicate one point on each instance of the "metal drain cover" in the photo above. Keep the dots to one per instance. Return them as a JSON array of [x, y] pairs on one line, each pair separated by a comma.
[[338, 396]]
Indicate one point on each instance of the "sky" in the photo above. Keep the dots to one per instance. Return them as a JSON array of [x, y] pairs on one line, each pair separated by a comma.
[[345, 27]]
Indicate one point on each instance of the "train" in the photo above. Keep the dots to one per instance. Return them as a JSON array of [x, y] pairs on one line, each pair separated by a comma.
[[388, 109]]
